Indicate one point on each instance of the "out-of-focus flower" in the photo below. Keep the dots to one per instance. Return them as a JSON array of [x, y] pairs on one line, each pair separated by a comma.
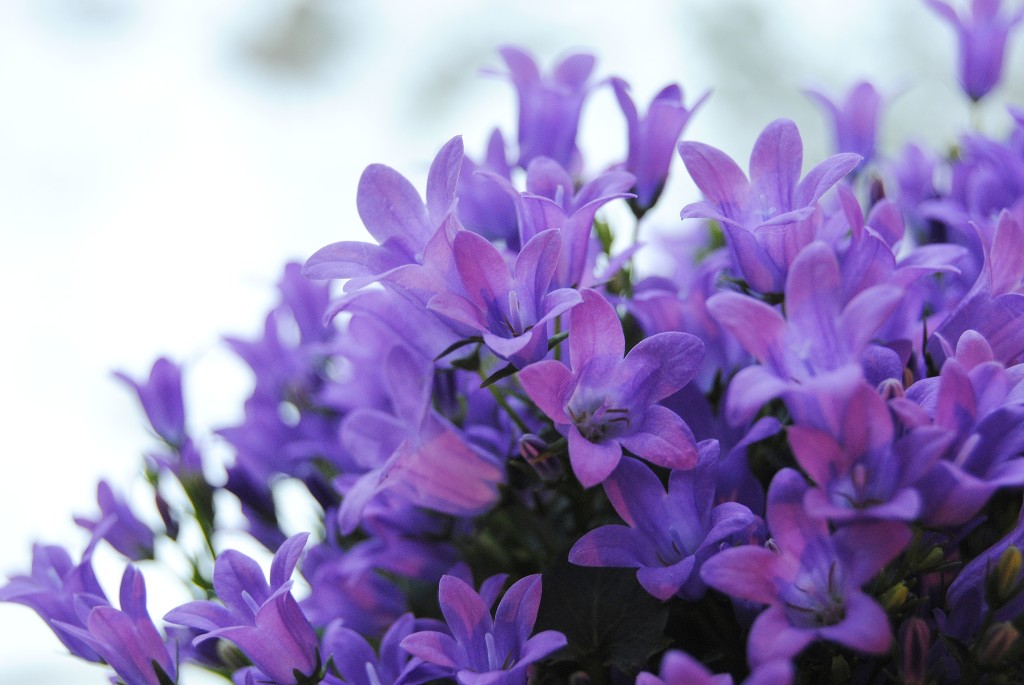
[[125, 532], [982, 36], [854, 120]]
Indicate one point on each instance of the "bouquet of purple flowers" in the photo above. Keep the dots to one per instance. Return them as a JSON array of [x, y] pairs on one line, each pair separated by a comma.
[[792, 453]]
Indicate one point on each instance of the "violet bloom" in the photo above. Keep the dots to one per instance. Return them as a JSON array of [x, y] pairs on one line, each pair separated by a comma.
[[854, 120], [510, 307], [263, 619], [982, 37], [764, 218], [679, 668], [668, 535], [61, 592], [549, 107], [162, 401], [126, 638], [604, 403], [401, 223], [125, 532], [821, 340], [484, 207], [482, 650], [358, 663], [810, 579], [653, 138]]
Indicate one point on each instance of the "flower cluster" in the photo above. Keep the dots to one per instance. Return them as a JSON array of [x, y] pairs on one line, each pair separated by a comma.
[[794, 455]]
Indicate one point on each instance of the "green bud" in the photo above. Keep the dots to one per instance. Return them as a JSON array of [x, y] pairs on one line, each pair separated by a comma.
[[1007, 574], [895, 597], [933, 559], [231, 656], [1000, 642]]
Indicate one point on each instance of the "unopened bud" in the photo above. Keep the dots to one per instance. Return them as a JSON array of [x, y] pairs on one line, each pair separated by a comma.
[[915, 639], [998, 643], [895, 597], [932, 560], [538, 454], [1005, 577]]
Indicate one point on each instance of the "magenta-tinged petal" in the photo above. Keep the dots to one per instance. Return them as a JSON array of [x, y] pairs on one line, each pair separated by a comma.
[[823, 176], [752, 260], [777, 672], [611, 545], [756, 325], [772, 637], [865, 627], [409, 381], [788, 522], [748, 392], [719, 178], [663, 439], [517, 611], [592, 462], [660, 365], [812, 289], [818, 453], [391, 209], [775, 165], [459, 309], [637, 495], [868, 547], [865, 314], [464, 611], [537, 261], [665, 581], [594, 330], [746, 572], [433, 647], [443, 179], [548, 384]]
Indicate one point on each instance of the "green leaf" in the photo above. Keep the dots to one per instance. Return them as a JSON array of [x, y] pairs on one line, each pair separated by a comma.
[[607, 617], [456, 345], [503, 372], [557, 338]]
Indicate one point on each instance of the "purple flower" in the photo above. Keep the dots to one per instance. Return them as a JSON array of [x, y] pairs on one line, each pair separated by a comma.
[[511, 308], [61, 592], [357, 663], [810, 579], [764, 218], [482, 650], [126, 638], [982, 36], [549, 107], [125, 532], [162, 400], [821, 338], [401, 223], [653, 138], [263, 619], [484, 207], [679, 668], [854, 121], [668, 535], [604, 403]]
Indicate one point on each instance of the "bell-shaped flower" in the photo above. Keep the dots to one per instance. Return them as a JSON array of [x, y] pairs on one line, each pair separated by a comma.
[[549, 105], [61, 592], [125, 532], [357, 663], [667, 536], [982, 38], [509, 307], [126, 638], [854, 121], [413, 451], [653, 137], [483, 206], [482, 650], [262, 619], [821, 335], [402, 224], [604, 403], [810, 578], [765, 217], [864, 472]]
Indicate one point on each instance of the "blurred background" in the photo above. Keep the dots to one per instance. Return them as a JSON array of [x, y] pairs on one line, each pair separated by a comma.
[[159, 162]]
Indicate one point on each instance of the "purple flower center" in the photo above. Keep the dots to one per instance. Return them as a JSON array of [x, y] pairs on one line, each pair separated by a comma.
[[810, 605], [595, 419]]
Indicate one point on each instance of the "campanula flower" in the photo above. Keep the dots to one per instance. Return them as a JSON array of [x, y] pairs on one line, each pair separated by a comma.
[[482, 650], [603, 403], [982, 35], [812, 583], [125, 532], [854, 121], [679, 668]]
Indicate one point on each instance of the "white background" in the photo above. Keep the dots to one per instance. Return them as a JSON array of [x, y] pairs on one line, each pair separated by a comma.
[[160, 160]]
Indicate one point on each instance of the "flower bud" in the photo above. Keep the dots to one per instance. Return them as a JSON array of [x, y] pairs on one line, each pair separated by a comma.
[[915, 637], [1000, 642], [895, 597], [1003, 582], [541, 457]]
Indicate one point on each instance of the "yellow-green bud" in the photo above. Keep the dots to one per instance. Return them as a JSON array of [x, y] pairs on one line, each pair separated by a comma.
[[1007, 574], [895, 597]]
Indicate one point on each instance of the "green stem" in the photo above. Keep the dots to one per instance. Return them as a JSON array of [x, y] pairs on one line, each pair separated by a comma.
[[503, 403]]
